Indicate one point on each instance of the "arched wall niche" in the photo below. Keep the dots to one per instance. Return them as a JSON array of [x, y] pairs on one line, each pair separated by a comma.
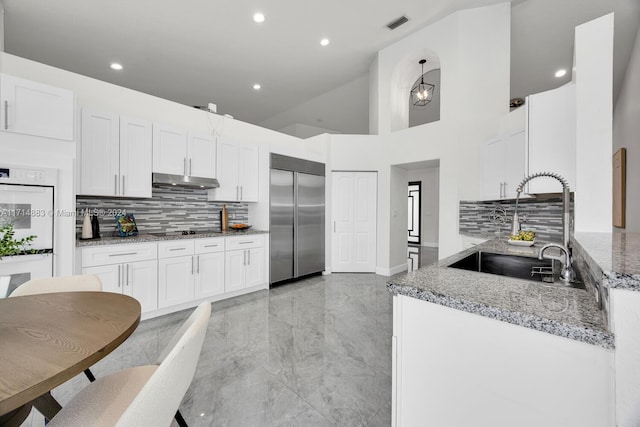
[[405, 73]]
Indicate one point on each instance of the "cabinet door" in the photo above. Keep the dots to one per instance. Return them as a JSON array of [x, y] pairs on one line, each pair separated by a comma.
[[551, 133], [175, 281], [234, 270], [202, 155], [514, 163], [248, 172], [36, 109], [254, 270], [209, 277], [141, 283], [227, 171], [494, 156], [169, 150], [135, 157], [100, 159], [111, 277]]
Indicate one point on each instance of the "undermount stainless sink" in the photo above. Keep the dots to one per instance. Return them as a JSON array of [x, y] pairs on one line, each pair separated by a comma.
[[521, 267]]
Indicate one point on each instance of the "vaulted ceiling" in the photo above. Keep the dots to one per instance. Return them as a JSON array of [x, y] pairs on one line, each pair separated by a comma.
[[205, 51]]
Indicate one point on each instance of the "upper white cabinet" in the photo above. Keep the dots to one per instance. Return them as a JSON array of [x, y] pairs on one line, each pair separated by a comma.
[[551, 137], [116, 155], [504, 165], [238, 167], [36, 109], [180, 153]]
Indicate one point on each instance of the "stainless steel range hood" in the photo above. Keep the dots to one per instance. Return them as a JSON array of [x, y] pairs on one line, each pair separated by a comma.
[[184, 181]]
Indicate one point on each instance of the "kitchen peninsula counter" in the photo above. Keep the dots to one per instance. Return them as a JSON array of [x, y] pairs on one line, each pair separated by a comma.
[[566, 312]]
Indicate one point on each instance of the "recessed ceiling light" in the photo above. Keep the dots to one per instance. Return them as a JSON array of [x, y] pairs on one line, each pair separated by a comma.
[[116, 66], [561, 72], [258, 17], [257, 86], [324, 42]]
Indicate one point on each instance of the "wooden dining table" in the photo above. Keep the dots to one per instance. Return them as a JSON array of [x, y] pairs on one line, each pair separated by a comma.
[[47, 339]]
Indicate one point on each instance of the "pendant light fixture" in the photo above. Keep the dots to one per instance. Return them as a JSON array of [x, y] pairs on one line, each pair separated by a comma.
[[422, 93]]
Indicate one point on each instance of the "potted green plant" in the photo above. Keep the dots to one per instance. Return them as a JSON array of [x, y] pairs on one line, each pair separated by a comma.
[[10, 246]]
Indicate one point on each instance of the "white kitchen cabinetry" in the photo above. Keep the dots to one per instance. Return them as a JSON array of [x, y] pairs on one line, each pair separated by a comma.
[[244, 262], [34, 108], [209, 276], [504, 165], [502, 374], [238, 172], [115, 155], [126, 269], [180, 153], [551, 138], [176, 268]]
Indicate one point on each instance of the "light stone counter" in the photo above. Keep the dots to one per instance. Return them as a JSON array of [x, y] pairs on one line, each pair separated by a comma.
[[615, 255], [566, 312], [146, 238]]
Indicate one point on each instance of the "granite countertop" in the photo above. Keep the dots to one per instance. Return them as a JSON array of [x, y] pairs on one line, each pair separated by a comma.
[[566, 312], [616, 255], [147, 238]]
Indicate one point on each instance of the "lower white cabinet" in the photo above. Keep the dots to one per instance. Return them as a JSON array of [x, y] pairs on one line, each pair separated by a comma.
[[178, 273], [136, 277], [244, 262]]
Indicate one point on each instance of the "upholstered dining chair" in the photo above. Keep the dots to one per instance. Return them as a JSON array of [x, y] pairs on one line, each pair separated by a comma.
[[78, 283], [145, 395]]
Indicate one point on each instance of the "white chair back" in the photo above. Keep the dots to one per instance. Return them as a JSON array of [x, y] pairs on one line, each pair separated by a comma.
[[58, 284], [157, 402]]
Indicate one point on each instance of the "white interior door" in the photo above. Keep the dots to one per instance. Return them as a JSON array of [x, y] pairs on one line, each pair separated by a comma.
[[354, 222]]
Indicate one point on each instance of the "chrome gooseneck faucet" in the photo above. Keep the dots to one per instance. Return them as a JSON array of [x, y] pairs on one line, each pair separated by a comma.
[[566, 198], [567, 273]]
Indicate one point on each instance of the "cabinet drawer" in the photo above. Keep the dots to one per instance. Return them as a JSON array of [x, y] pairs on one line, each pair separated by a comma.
[[173, 248], [244, 242], [204, 246], [116, 254]]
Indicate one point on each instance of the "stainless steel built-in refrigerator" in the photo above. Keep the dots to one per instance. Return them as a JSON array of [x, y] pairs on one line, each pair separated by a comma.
[[297, 218]]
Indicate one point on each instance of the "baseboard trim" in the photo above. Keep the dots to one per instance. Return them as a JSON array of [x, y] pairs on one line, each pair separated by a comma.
[[430, 244], [391, 271]]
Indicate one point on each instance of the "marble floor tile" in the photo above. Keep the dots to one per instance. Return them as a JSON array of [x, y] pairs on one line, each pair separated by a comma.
[[311, 353]]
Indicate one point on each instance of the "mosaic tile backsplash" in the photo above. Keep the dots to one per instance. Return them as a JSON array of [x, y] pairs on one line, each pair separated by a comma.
[[544, 216], [170, 209]]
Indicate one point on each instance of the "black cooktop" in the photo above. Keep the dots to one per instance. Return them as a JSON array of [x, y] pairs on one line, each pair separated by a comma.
[[185, 232]]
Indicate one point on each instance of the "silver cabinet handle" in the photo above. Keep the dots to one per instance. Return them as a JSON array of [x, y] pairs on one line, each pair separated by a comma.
[[128, 253], [119, 274], [127, 273], [123, 192], [115, 184], [505, 189], [241, 192], [237, 192], [244, 261], [211, 246], [185, 165], [192, 261], [189, 167], [248, 257], [198, 267], [244, 243], [6, 115], [177, 249]]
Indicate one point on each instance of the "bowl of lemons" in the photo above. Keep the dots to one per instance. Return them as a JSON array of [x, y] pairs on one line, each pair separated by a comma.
[[524, 238]]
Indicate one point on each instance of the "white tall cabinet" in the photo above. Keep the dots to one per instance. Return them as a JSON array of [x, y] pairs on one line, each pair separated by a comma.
[[115, 155], [37, 109], [504, 165], [551, 137], [238, 166]]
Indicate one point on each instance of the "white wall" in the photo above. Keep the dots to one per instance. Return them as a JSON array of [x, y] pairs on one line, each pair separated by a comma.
[[305, 131], [343, 109], [594, 121], [626, 129], [104, 96], [430, 203]]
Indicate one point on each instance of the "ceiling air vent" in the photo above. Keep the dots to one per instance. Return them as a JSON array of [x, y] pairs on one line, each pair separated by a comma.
[[397, 22]]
